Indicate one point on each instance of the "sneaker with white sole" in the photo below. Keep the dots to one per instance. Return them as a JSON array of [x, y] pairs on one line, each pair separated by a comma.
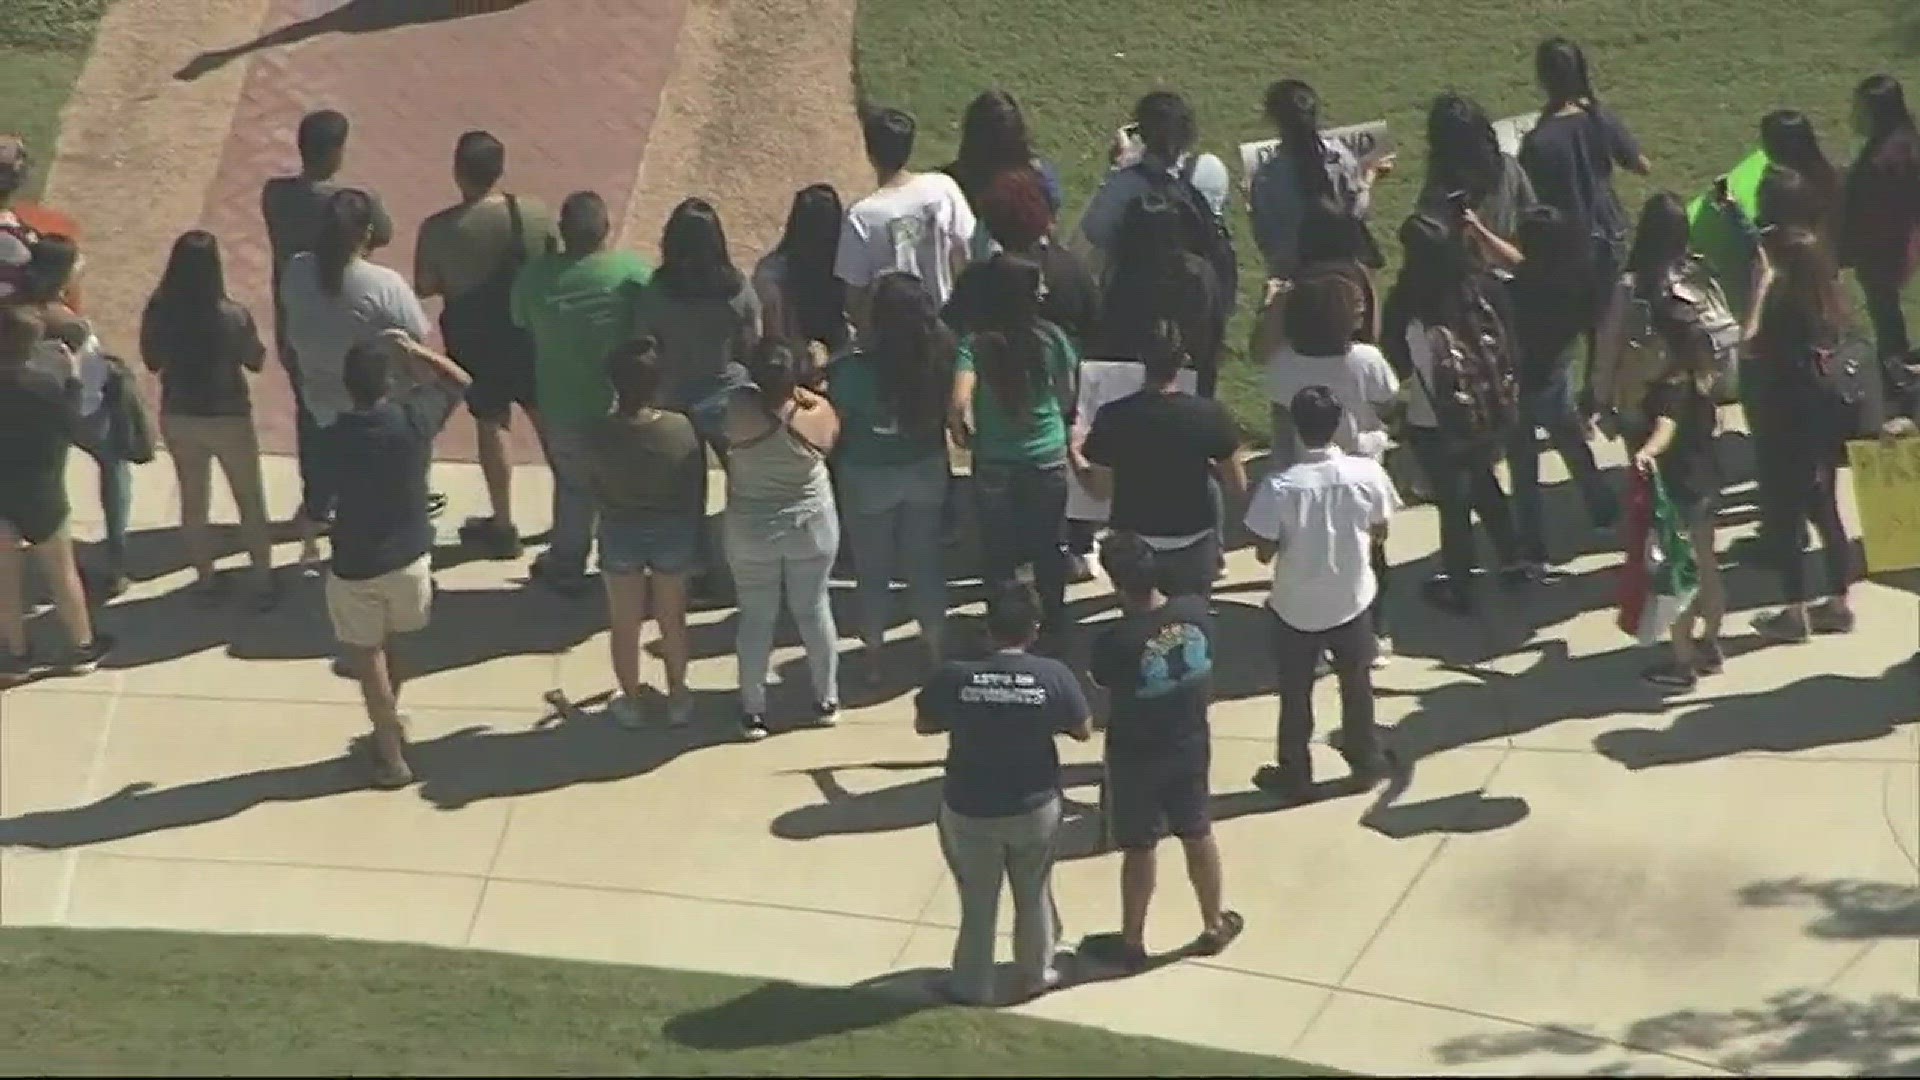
[[826, 713], [1382, 652], [753, 727]]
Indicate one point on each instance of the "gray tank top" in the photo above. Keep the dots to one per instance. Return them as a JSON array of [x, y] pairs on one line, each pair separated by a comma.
[[777, 482]]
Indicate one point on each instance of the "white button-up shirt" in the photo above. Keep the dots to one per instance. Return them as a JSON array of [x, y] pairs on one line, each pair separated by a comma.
[[1322, 512]]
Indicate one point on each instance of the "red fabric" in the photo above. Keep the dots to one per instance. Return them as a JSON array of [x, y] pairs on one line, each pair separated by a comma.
[[1633, 586]]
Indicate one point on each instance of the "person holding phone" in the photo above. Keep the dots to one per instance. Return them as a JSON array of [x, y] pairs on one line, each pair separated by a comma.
[[1471, 179]]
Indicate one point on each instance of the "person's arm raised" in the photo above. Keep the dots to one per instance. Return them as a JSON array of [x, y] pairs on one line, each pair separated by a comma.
[[434, 367]]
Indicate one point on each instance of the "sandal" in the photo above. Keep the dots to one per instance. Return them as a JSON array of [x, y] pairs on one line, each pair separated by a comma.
[[1670, 676], [1216, 939]]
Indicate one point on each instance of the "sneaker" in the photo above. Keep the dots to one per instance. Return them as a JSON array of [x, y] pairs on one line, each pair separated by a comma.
[[626, 712], [15, 666], [1382, 652], [679, 709], [493, 539], [1670, 676], [1370, 771], [85, 659], [1831, 617], [1289, 784], [1323, 666], [753, 727], [436, 504], [1707, 657], [826, 713], [1788, 626]]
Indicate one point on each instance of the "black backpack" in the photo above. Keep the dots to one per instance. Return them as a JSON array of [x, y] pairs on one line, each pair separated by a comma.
[[1474, 390], [1848, 402], [1204, 233], [478, 324]]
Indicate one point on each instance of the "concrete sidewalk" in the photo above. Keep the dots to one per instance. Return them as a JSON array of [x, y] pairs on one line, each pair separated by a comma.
[[1579, 877]]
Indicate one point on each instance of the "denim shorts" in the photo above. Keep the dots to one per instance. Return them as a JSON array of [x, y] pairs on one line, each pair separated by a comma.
[[663, 543]]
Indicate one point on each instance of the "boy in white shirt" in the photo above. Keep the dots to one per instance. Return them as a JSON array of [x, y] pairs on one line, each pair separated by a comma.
[[916, 223]]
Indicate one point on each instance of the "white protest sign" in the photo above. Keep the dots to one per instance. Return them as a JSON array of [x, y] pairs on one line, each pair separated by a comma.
[[1369, 143], [1102, 382], [1512, 129]]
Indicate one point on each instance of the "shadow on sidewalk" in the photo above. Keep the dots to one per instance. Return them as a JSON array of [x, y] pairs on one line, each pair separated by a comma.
[[783, 1013], [351, 17], [455, 770]]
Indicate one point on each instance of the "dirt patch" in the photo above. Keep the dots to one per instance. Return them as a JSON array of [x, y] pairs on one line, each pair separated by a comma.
[[760, 103], [138, 150]]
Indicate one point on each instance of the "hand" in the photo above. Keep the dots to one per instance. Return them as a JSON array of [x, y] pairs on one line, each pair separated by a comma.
[[1643, 461], [1384, 166], [1275, 287], [1899, 427]]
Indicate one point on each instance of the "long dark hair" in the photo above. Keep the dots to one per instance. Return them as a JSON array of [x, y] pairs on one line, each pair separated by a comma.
[[1790, 141], [1560, 67], [912, 349], [1661, 238], [193, 287], [1808, 285], [809, 243], [1009, 347], [1892, 139], [1294, 108], [1463, 153], [993, 139], [1558, 250], [694, 264], [1436, 277], [344, 229]]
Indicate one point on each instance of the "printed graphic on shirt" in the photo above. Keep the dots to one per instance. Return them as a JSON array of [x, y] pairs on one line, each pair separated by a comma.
[[1003, 688], [1176, 657], [906, 234]]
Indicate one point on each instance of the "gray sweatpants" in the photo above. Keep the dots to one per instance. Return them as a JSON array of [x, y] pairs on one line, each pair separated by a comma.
[[982, 852]]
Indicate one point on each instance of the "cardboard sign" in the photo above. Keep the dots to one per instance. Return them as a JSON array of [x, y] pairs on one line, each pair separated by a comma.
[[1101, 382], [1369, 142], [1512, 129], [1886, 488]]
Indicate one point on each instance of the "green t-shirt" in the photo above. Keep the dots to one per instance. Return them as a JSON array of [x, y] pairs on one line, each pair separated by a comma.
[[871, 436], [577, 309], [1038, 436]]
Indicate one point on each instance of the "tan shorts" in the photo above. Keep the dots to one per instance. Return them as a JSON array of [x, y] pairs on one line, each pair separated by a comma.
[[366, 613]]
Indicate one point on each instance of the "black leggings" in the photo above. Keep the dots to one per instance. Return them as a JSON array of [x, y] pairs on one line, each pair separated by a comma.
[[1464, 486], [1798, 484]]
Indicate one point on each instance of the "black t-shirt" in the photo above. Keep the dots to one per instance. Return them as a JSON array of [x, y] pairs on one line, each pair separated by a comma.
[[381, 456], [1689, 469], [1157, 668], [38, 411], [1069, 298], [1571, 159], [1549, 317], [1001, 715], [1161, 448]]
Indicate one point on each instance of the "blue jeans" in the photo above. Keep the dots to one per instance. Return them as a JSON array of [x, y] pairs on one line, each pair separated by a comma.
[[574, 510], [892, 517], [116, 487], [798, 563], [1022, 512], [1552, 408]]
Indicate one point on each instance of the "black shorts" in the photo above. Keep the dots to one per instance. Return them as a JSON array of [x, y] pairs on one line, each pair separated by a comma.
[[36, 511], [1149, 800], [502, 372]]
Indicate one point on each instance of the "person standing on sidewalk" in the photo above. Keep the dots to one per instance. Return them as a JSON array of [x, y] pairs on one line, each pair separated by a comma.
[[1001, 812], [577, 305], [1317, 523], [380, 583], [470, 253], [1156, 664]]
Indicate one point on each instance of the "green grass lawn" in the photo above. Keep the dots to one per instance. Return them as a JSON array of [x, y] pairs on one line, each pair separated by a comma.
[[102, 1002], [43, 43], [1691, 77]]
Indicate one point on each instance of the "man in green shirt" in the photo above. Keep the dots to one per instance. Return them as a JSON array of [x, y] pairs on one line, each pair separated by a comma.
[[577, 304]]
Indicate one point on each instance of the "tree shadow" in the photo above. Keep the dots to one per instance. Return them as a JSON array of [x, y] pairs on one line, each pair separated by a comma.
[[1801, 1029], [784, 1013], [455, 770], [351, 17]]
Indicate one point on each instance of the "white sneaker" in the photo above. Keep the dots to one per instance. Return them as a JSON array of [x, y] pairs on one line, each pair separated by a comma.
[[625, 712], [1382, 652]]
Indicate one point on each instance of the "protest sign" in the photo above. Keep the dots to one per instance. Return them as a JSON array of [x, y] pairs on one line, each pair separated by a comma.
[[1886, 488], [1103, 381], [1727, 250], [1369, 142], [1510, 130]]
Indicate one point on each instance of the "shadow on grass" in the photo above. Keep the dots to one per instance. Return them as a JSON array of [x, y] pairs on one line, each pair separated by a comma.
[[782, 1013]]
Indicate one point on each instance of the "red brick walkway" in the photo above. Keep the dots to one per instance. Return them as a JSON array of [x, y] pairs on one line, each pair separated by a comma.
[[571, 86]]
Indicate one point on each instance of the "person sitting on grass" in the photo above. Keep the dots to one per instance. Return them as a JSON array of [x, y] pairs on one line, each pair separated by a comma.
[[1156, 664], [380, 583]]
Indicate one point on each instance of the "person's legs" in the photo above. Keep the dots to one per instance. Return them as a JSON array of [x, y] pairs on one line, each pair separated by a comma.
[[1836, 550], [1377, 555], [1523, 467], [756, 583], [1139, 872], [192, 449], [319, 487], [977, 858], [1208, 877], [490, 440], [365, 614], [997, 519], [1188, 571], [574, 512], [1709, 599], [1296, 655], [237, 448], [669, 604], [116, 506], [1352, 646], [923, 554], [1041, 502], [1882, 294], [13, 609], [1568, 435], [873, 519], [1036, 919], [1489, 502], [626, 616], [807, 601], [1450, 483], [61, 572]]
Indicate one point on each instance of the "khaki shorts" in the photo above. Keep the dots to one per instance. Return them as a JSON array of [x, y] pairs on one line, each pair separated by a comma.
[[366, 613]]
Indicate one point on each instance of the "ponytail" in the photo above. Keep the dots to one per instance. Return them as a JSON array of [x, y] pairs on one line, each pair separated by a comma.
[[1560, 67], [344, 228], [1294, 108]]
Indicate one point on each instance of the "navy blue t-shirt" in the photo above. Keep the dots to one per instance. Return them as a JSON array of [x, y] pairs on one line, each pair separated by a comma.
[[1157, 668], [381, 456], [1571, 159], [1001, 715]]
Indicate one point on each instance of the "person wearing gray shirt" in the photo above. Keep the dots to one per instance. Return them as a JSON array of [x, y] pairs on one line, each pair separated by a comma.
[[1167, 132], [703, 313]]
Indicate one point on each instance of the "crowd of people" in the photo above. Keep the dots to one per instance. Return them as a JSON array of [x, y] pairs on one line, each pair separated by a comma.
[[948, 309]]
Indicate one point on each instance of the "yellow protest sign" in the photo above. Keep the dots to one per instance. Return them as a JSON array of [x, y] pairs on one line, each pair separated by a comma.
[[1886, 488]]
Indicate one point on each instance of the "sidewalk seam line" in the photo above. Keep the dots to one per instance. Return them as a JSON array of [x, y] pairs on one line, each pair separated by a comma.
[[486, 883], [70, 871]]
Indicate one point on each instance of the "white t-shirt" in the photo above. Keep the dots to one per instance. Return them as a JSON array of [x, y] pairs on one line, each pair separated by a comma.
[[914, 227], [1322, 512], [322, 329], [1360, 381]]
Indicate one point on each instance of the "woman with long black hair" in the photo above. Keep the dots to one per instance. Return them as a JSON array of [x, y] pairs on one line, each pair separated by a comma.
[[1879, 234], [800, 298], [892, 393], [1470, 176], [1153, 280], [202, 345], [994, 140], [703, 313], [1310, 182], [1790, 143], [1014, 384]]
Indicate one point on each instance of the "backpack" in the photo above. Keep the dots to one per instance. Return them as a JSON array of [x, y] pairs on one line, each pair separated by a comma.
[[1474, 392], [478, 324], [1204, 233], [1700, 290], [1695, 296], [1847, 402]]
